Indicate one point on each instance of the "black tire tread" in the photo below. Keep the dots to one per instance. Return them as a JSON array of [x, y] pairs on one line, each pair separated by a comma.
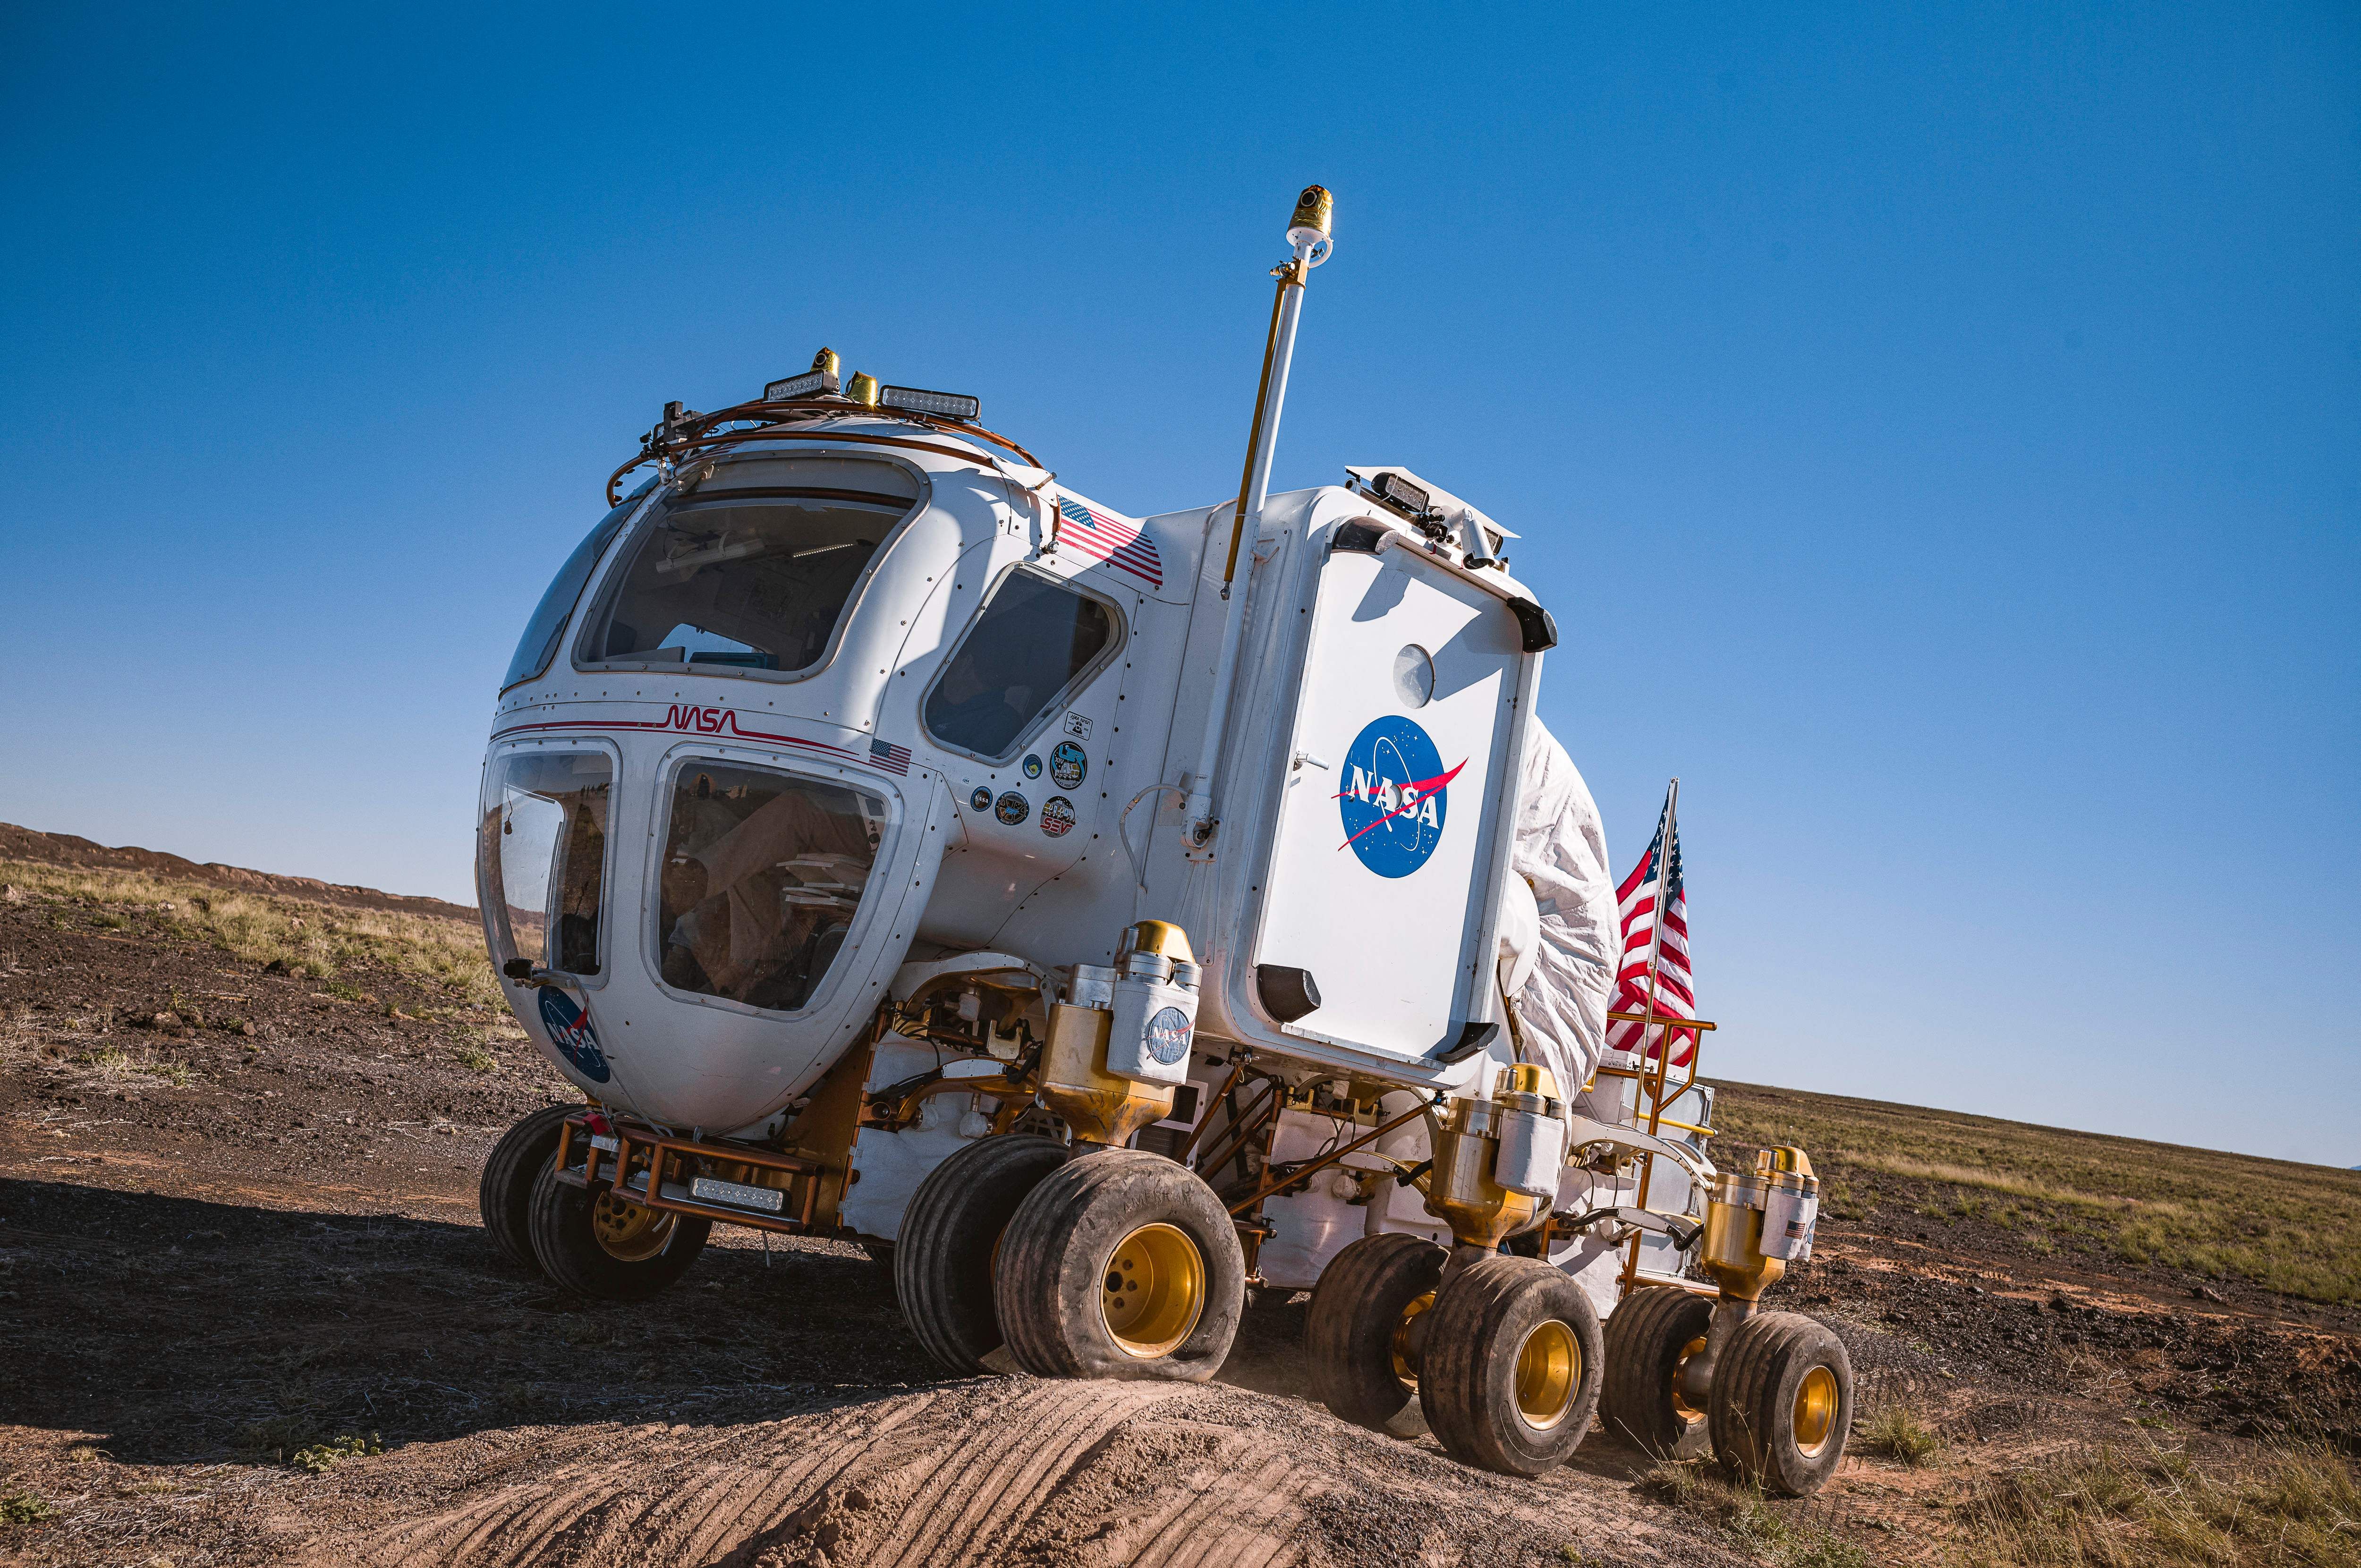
[[1643, 1345], [504, 1193], [1466, 1356], [942, 1257], [570, 1254], [1348, 1333], [1749, 1416], [1047, 1296]]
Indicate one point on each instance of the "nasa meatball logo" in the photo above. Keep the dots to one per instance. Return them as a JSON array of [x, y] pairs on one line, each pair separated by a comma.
[[1167, 1036], [570, 1032], [1396, 798]]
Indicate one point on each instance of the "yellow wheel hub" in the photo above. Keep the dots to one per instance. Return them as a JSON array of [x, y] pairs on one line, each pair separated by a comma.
[[1405, 1363], [632, 1233], [1690, 1415], [1549, 1372], [1815, 1415], [1153, 1290]]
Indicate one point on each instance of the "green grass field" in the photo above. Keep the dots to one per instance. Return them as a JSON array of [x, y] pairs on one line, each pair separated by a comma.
[[2291, 1228]]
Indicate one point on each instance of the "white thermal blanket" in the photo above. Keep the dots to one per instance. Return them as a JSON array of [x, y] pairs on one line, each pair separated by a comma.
[[1559, 937]]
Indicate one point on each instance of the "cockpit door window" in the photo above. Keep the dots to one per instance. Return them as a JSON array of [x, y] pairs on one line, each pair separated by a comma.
[[1035, 642], [763, 874], [541, 856]]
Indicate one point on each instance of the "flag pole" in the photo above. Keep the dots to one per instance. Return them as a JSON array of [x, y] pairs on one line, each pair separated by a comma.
[[1656, 958], [1655, 1089]]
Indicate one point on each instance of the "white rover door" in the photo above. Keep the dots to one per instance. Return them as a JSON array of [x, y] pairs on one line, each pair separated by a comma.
[[1393, 824]]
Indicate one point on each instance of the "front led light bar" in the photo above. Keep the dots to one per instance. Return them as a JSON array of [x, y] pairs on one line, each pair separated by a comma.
[[951, 405], [810, 384], [1397, 491]]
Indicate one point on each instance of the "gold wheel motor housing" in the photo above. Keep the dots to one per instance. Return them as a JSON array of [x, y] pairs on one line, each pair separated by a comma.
[[1463, 1192], [1100, 1106], [1153, 1291], [1737, 1253]]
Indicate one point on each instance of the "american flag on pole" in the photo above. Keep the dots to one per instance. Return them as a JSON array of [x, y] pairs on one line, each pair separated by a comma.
[[1106, 537], [1655, 937]]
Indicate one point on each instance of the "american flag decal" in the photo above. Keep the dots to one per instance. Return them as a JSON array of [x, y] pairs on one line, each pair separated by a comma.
[[1643, 901], [1105, 537], [891, 758]]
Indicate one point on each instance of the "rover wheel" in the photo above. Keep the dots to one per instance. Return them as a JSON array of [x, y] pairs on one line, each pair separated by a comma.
[[505, 1192], [1650, 1339], [1357, 1333], [1121, 1263], [1781, 1402], [942, 1258], [600, 1246], [1510, 1373]]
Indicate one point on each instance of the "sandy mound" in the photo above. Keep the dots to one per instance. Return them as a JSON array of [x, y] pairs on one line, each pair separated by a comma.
[[1004, 1471]]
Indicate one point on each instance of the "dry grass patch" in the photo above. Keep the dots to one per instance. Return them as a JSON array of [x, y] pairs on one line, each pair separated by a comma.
[[2107, 1509], [2288, 1227], [1749, 1521], [1895, 1432], [302, 937]]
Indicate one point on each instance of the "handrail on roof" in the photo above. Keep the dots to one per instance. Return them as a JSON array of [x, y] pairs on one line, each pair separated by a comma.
[[696, 433]]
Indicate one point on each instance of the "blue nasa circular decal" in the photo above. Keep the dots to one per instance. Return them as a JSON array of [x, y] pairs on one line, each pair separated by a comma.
[[1396, 796], [981, 800], [1167, 1036], [570, 1032]]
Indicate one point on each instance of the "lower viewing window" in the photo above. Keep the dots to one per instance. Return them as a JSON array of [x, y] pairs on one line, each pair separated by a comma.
[[762, 874], [542, 852]]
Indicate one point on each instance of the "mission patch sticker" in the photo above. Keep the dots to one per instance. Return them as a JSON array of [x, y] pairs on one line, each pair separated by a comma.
[[1013, 809], [1057, 817], [1067, 764]]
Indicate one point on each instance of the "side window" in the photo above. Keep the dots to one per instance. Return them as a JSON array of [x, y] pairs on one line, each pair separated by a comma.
[[1029, 647], [541, 633], [542, 854], [762, 872]]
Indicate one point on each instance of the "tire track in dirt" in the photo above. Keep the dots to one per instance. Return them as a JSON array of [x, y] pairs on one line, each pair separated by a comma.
[[1000, 1471]]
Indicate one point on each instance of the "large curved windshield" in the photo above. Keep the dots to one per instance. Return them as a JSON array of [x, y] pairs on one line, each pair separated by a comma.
[[752, 569], [541, 633]]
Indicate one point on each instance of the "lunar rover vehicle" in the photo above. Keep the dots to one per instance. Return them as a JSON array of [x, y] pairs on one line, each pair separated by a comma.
[[1098, 914]]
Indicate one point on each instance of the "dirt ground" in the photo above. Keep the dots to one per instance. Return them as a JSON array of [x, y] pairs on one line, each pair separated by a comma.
[[238, 1221]]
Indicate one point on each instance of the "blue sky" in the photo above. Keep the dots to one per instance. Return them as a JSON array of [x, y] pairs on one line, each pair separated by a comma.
[[1938, 431]]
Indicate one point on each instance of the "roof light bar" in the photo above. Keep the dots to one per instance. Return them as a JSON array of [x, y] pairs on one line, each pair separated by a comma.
[[1397, 491], [823, 379], [952, 405], [810, 384]]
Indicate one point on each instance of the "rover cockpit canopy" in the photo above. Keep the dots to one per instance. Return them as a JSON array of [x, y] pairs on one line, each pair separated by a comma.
[[750, 570]]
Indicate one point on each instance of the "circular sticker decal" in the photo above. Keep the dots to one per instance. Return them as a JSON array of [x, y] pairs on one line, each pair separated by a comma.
[[570, 1032], [1057, 816], [1013, 808], [981, 800], [1067, 765], [1396, 795], [1167, 1036], [1032, 765]]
